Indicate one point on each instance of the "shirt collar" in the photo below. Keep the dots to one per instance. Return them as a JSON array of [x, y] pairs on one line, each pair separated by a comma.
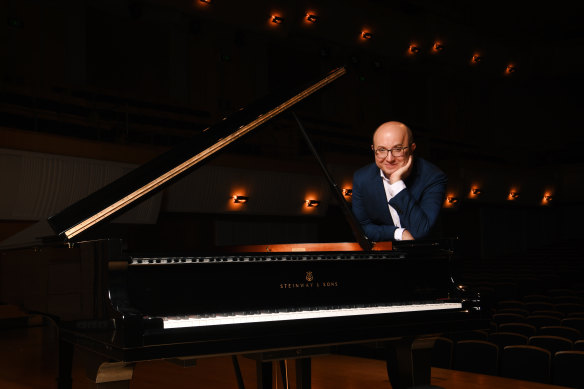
[[383, 176]]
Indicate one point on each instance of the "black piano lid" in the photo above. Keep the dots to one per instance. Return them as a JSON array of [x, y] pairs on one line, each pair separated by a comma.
[[147, 179]]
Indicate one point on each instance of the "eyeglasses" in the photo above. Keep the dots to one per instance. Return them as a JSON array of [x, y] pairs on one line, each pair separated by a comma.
[[382, 152]]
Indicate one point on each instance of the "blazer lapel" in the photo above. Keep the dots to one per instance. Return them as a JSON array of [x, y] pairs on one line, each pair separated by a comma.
[[380, 199]]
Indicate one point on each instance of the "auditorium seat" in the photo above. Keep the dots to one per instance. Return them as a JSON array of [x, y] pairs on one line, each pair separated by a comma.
[[502, 339], [467, 335], [567, 299], [552, 312], [510, 304], [565, 332], [442, 353], [560, 292], [519, 328], [579, 345], [526, 362], [574, 322], [536, 298], [551, 343], [568, 369], [476, 356], [543, 320], [520, 311], [540, 306], [567, 308], [505, 317]]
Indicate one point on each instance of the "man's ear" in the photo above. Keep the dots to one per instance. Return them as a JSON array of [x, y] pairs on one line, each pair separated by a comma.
[[412, 147]]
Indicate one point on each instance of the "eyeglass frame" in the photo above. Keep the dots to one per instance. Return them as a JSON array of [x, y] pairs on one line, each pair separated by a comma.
[[401, 148]]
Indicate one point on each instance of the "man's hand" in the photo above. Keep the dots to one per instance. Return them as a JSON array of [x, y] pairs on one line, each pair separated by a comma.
[[402, 172], [407, 236]]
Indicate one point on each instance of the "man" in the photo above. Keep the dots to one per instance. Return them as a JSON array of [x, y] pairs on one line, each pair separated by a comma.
[[398, 197]]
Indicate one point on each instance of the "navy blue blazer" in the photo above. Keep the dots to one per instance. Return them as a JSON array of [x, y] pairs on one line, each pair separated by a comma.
[[418, 205]]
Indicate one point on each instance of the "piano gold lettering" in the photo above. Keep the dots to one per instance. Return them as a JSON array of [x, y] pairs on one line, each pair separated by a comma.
[[297, 285], [331, 284]]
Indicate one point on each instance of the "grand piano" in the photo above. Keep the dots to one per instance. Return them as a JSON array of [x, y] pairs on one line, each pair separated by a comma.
[[268, 302]]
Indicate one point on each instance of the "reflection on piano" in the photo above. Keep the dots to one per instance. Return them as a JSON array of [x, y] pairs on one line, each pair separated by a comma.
[[270, 302]]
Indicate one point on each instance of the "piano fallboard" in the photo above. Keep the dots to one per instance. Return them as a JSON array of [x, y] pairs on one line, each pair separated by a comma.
[[253, 281]]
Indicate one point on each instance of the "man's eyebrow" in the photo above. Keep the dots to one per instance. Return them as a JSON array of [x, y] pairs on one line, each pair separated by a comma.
[[383, 147]]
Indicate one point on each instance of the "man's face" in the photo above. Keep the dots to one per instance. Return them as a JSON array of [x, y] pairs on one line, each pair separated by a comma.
[[389, 137]]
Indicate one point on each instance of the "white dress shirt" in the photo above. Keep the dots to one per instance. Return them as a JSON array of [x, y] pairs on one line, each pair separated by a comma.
[[391, 190]]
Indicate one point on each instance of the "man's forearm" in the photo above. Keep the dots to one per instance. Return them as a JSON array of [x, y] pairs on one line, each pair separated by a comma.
[[419, 217]]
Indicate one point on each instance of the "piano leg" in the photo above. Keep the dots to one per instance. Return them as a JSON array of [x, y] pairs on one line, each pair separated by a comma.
[[303, 372], [264, 374], [303, 367], [237, 369], [408, 362], [64, 380], [284, 373]]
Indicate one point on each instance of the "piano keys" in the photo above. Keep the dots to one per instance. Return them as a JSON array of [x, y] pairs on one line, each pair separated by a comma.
[[285, 314]]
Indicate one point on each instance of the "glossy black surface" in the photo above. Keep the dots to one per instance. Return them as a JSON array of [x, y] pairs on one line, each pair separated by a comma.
[[140, 294], [249, 282]]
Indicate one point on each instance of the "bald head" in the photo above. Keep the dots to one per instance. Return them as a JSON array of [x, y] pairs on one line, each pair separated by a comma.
[[396, 129]]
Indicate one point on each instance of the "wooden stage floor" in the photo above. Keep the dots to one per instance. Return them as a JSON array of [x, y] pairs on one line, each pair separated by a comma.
[[28, 361]]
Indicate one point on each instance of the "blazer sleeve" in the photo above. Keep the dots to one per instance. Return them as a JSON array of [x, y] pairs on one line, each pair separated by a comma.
[[419, 215], [362, 201]]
